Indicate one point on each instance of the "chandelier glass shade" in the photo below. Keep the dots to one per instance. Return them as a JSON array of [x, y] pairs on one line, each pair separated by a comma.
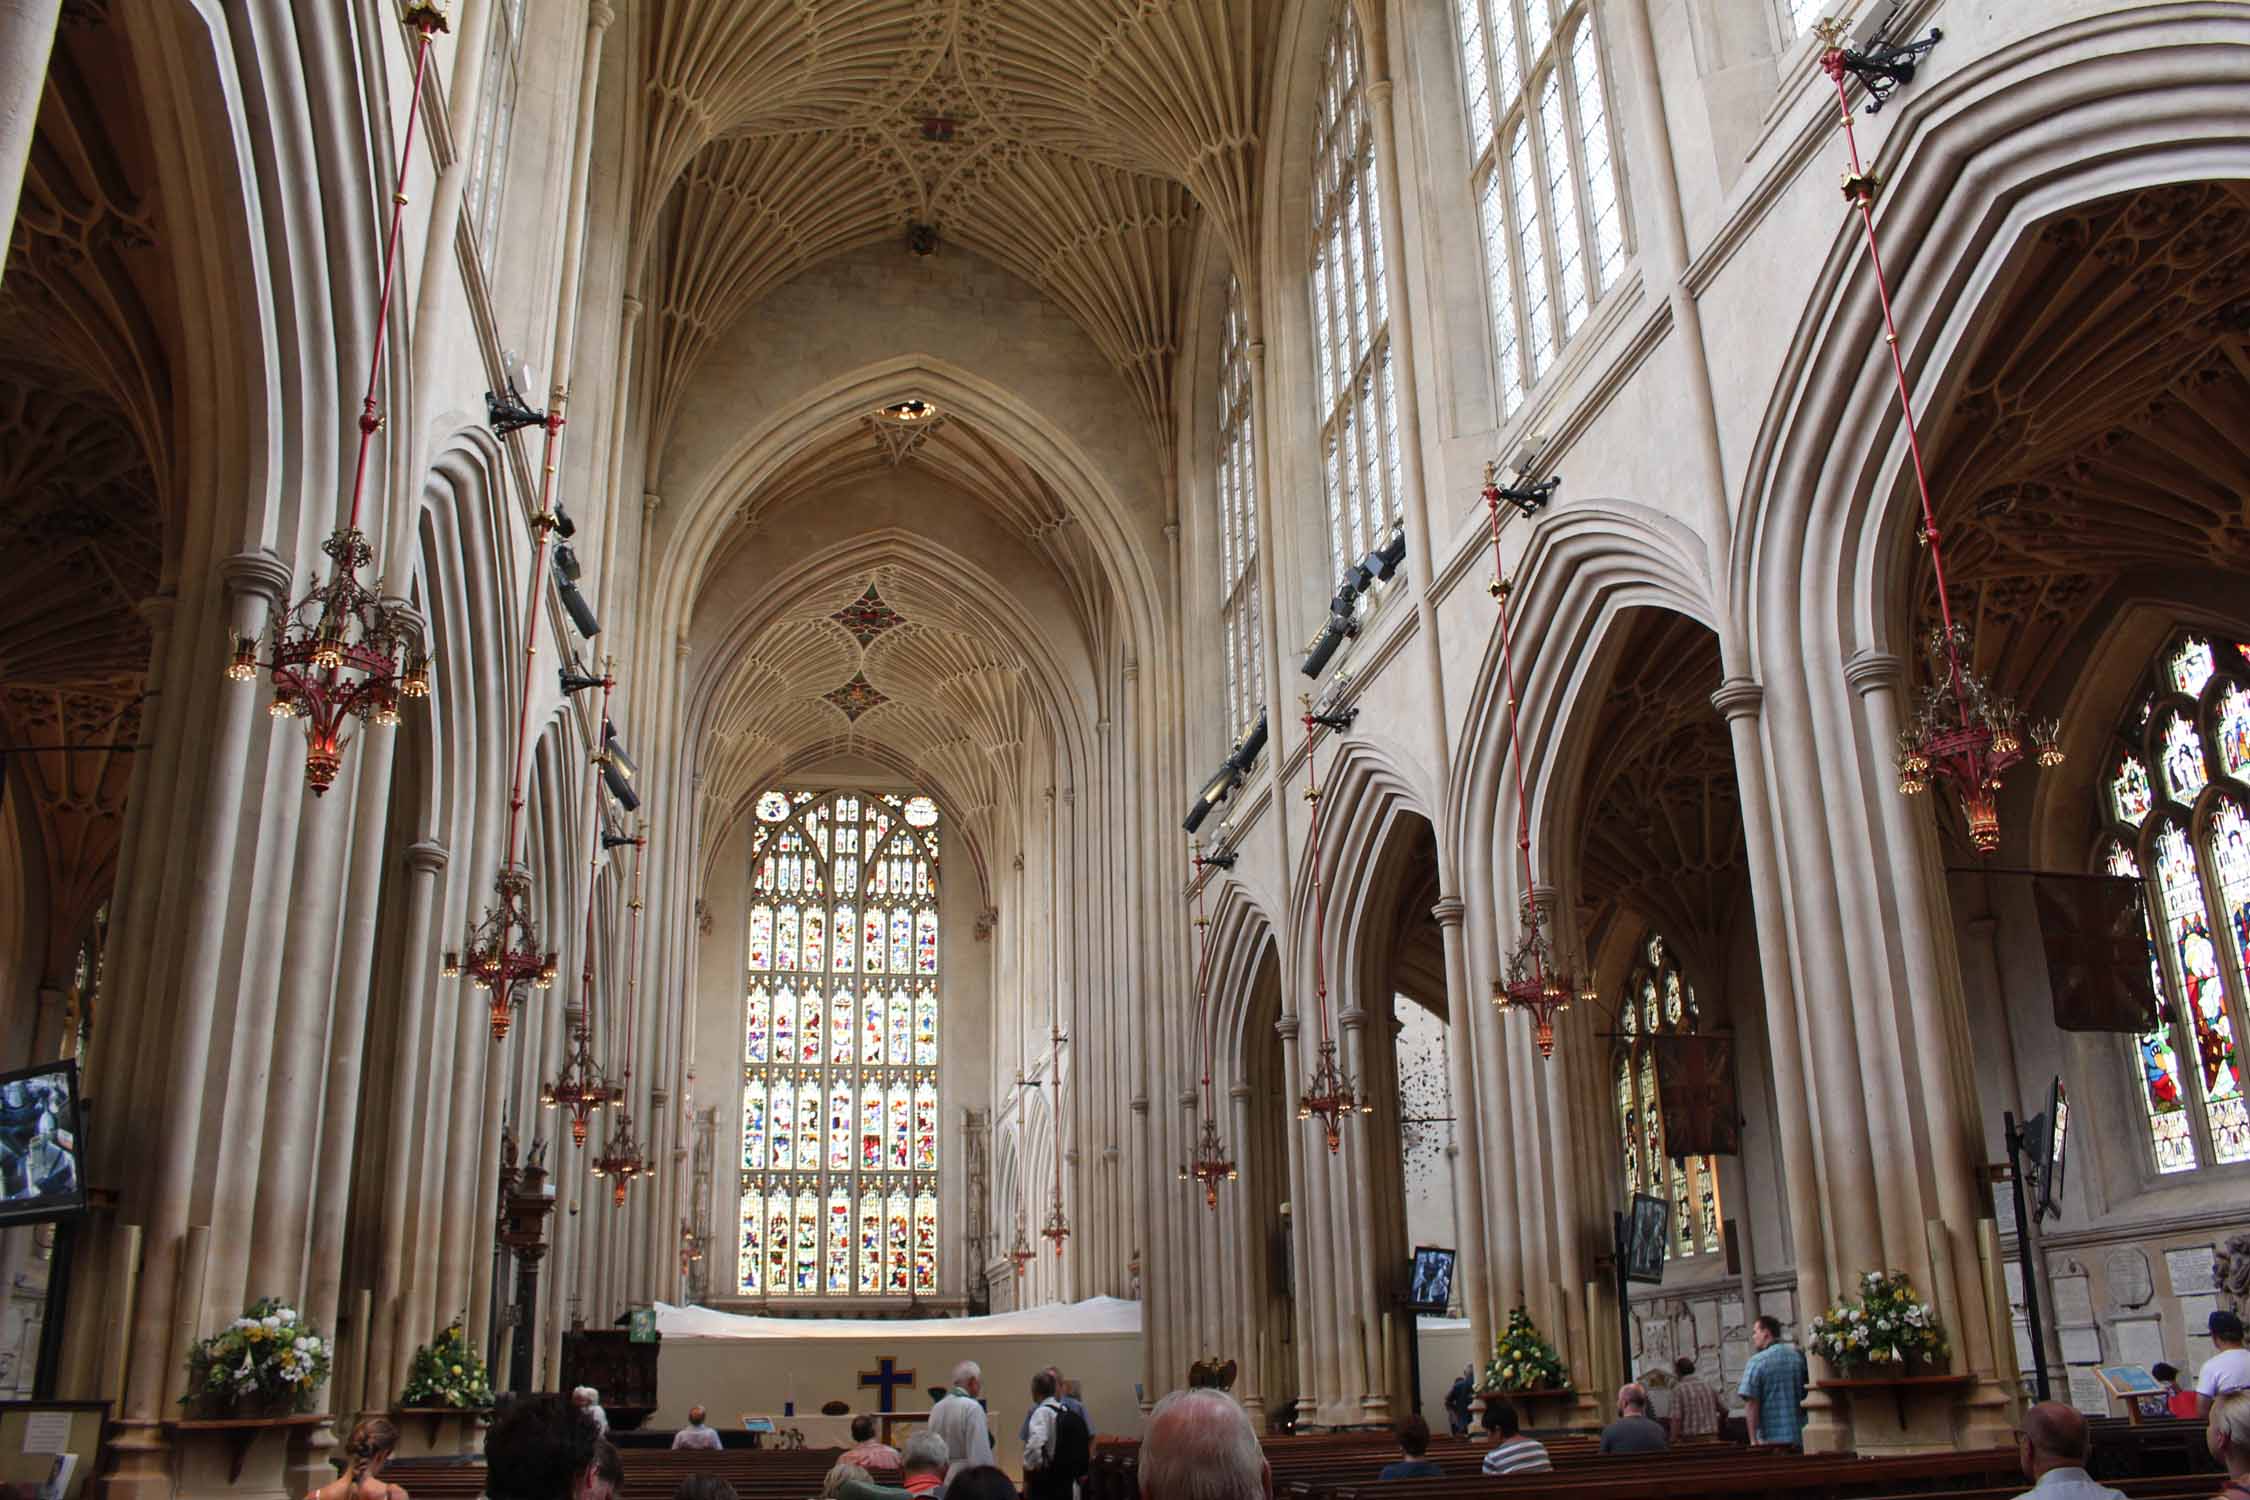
[[621, 1159], [1331, 1097], [1057, 1228], [503, 953], [1021, 1255], [344, 654]]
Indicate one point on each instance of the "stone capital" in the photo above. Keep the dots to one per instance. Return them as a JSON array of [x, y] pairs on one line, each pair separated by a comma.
[[426, 857], [630, 306], [257, 573], [1109, 1156], [1287, 1028], [1449, 911], [1240, 1093], [1378, 92], [1140, 1104], [658, 1098], [157, 610], [1739, 698], [1353, 1019], [601, 15], [1872, 671], [1187, 1100], [1132, 668]]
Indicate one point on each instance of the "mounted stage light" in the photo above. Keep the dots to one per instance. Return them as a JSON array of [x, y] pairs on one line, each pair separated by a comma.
[[1323, 647], [1246, 749], [1386, 560], [1214, 792], [619, 787], [612, 839], [566, 563], [614, 752], [581, 613], [565, 527]]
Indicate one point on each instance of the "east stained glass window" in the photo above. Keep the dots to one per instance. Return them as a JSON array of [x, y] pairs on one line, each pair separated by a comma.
[[1351, 312], [1544, 178], [1658, 1000], [2175, 808], [840, 1048]]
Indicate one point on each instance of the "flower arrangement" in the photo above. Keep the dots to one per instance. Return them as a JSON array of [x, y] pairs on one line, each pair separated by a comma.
[[1888, 1325], [447, 1372], [1521, 1359], [265, 1360]]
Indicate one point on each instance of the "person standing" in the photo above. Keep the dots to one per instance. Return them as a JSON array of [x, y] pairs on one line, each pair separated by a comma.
[[1457, 1402], [1634, 1431], [697, 1433], [1058, 1448], [960, 1420], [1695, 1406], [2228, 1368], [1773, 1386]]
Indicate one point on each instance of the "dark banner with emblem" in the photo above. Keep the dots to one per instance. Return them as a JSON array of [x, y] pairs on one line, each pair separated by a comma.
[[2098, 961], [1695, 1073]]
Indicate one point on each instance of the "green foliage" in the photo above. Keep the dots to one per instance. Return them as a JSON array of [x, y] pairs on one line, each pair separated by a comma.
[[265, 1360], [1888, 1325], [447, 1371], [1521, 1359]]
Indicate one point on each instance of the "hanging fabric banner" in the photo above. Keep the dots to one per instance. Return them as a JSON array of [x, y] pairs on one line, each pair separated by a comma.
[[2098, 959], [1702, 1115]]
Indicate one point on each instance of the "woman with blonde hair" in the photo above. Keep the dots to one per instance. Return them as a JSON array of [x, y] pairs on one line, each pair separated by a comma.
[[848, 1481], [2228, 1436], [367, 1449]]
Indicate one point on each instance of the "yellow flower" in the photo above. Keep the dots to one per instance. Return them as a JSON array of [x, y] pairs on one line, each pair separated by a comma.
[[456, 1369]]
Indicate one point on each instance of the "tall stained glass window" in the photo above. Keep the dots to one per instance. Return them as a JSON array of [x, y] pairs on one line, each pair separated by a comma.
[[496, 118], [1239, 616], [1545, 178], [1657, 1001], [840, 1048], [2174, 803], [1351, 313]]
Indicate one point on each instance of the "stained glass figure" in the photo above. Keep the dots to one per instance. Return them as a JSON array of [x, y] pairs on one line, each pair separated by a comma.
[[2190, 666], [2159, 1061], [840, 1083], [2183, 760], [2233, 731], [2129, 796]]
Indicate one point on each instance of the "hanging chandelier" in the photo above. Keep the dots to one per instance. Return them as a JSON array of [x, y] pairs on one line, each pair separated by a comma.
[[1535, 977], [580, 1087], [1021, 1254], [1211, 1165], [1057, 1227], [344, 652], [1962, 733], [1330, 1094], [503, 953], [622, 1159]]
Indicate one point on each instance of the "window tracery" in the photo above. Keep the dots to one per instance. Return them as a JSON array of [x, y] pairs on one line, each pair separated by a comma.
[[2172, 805], [496, 120], [840, 1048], [1544, 179], [1351, 312], [1658, 1000], [1241, 623]]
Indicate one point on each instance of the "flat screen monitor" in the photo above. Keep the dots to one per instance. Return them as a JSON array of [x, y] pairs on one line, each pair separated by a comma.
[[1432, 1290], [1648, 1233], [41, 1145]]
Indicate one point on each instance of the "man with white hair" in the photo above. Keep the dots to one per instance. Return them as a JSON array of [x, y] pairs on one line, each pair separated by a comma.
[[589, 1401], [1201, 1446], [960, 1420]]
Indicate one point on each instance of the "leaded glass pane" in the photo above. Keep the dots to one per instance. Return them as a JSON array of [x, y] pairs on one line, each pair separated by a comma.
[[1657, 1000], [2129, 795], [2183, 760], [2190, 666], [2181, 886], [2232, 730], [840, 1083], [1594, 158], [2161, 1091]]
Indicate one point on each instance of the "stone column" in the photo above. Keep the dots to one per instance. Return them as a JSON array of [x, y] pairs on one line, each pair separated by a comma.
[[1360, 1232], [1249, 1331], [256, 582], [1468, 1215], [1936, 1051], [1742, 701], [27, 41], [421, 991]]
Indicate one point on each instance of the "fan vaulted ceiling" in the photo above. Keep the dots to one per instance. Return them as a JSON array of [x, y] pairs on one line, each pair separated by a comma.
[[1074, 142]]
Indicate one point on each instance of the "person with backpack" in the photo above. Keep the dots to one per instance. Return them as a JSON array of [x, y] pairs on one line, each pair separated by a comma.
[[1059, 1448]]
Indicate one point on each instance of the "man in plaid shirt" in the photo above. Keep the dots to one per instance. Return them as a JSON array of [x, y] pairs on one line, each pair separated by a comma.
[[1695, 1406]]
